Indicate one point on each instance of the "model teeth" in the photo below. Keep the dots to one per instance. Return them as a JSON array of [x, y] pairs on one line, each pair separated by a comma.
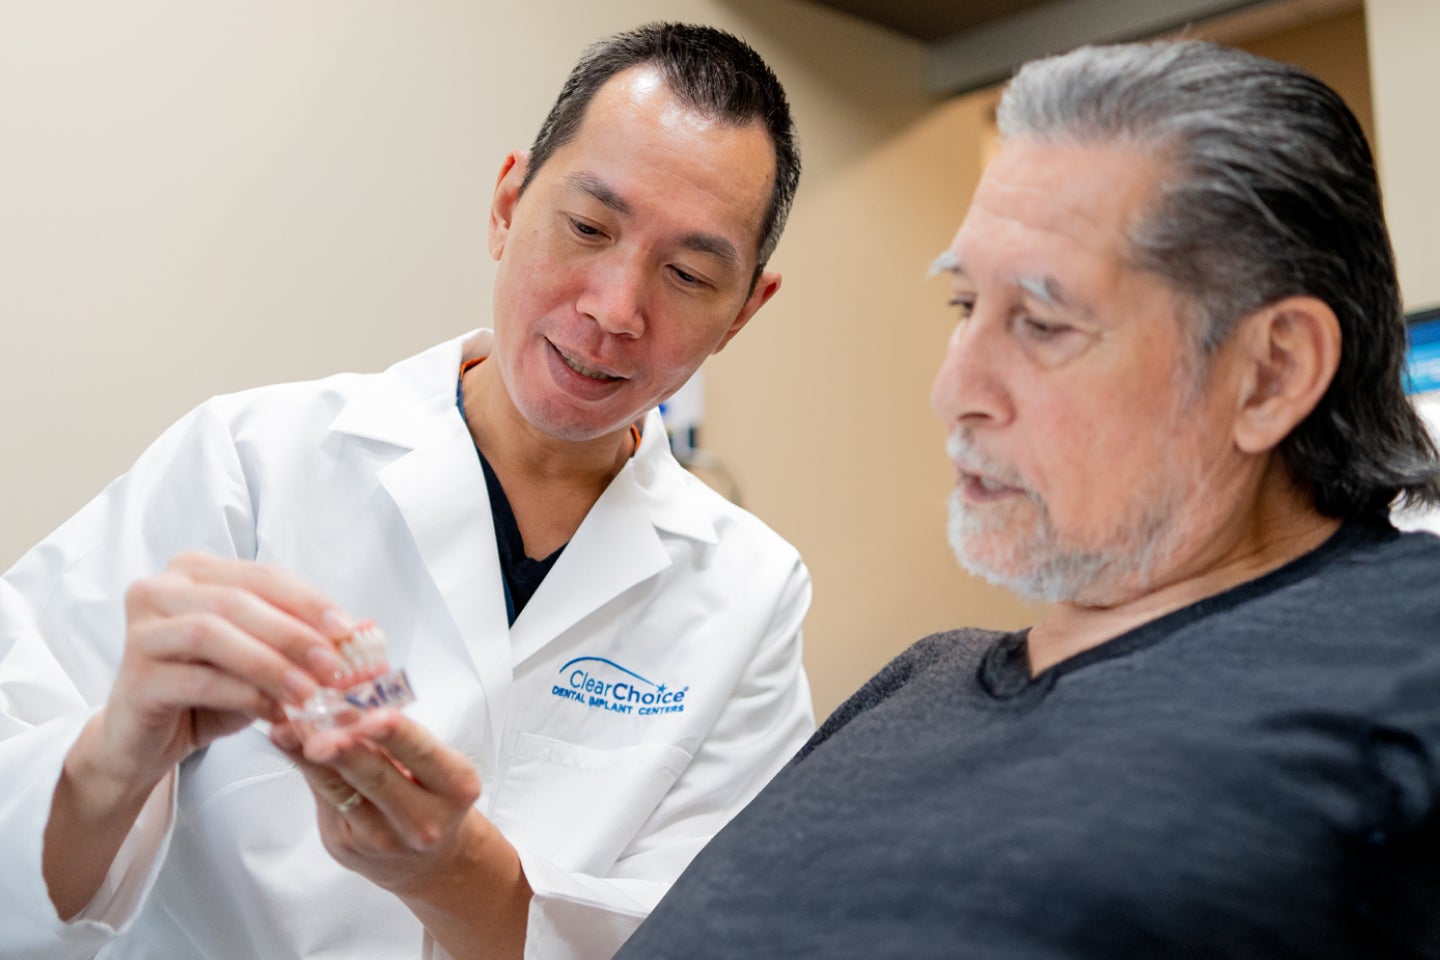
[[365, 649], [990, 486], [585, 371]]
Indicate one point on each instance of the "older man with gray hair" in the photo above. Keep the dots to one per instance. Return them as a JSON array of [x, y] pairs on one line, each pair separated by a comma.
[[1175, 414]]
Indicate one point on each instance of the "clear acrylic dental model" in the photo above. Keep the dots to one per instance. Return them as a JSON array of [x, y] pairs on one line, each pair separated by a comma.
[[368, 683]]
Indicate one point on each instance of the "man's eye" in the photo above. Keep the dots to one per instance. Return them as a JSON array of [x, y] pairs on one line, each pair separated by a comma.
[[965, 305], [1042, 330]]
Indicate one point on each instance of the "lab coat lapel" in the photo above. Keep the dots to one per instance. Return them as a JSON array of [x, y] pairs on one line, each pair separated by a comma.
[[615, 548], [439, 489], [451, 526]]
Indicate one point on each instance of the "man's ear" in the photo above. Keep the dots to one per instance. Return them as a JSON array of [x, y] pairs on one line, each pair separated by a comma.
[[507, 194], [765, 288], [1290, 350]]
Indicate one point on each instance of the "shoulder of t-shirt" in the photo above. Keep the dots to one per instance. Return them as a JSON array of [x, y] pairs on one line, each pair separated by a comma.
[[936, 650]]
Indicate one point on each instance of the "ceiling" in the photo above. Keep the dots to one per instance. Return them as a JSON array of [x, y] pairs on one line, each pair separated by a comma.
[[931, 20], [971, 44]]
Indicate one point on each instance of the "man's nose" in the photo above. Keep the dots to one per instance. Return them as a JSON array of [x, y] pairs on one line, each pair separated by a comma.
[[614, 296], [969, 388]]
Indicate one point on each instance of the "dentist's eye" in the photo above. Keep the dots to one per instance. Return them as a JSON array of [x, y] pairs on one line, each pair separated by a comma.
[[584, 229], [687, 279]]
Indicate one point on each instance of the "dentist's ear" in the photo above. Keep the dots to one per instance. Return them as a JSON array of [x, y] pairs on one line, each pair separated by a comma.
[[1290, 350], [507, 195], [765, 288]]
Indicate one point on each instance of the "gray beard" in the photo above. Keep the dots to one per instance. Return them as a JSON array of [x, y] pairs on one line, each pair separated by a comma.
[[1038, 566]]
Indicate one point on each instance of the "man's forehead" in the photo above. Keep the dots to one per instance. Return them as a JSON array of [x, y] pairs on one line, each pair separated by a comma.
[[1053, 217], [1089, 190]]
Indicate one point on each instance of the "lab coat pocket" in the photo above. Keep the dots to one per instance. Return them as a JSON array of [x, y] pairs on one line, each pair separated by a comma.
[[581, 806]]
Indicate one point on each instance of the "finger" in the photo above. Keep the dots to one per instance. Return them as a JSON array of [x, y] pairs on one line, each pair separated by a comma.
[[431, 764], [275, 627], [206, 638], [289, 732], [284, 735], [175, 596], [418, 817], [332, 791], [350, 821], [329, 787], [359, 762], [192, 686], [277, 587]]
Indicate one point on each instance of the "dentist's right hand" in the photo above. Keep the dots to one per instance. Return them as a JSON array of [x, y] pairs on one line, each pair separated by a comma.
[[211, 644]]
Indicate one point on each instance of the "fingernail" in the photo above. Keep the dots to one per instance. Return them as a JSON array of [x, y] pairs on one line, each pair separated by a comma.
[[337, 624], [323, 662], [298, 686]]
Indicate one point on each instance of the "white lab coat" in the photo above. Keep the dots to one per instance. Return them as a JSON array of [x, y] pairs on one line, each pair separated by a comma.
[[369, 488]]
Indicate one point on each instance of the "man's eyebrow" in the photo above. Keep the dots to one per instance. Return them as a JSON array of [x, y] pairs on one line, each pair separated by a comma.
[[947, 262], [1049, 291], [597, 188], [1042, 287]]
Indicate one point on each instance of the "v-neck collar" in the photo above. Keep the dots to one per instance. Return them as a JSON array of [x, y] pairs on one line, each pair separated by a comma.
[[1004, 670]]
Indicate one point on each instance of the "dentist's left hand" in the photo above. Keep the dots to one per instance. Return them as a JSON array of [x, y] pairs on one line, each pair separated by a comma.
[[397, 806]]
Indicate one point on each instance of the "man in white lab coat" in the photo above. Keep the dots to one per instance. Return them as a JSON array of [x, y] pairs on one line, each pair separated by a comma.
[[567, 755]]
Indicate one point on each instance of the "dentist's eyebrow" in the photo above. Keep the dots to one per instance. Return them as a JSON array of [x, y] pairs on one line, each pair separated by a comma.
[[708, 243], [600, 190], [714, 245]]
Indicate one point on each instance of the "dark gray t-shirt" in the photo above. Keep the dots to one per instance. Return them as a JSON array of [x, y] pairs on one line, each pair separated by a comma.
[[1253, 776]]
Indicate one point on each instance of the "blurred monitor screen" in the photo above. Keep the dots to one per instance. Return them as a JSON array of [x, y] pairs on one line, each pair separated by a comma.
[[1422, 360]]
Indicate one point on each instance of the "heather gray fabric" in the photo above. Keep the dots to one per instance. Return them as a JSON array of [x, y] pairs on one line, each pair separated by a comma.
[[1253, 776]]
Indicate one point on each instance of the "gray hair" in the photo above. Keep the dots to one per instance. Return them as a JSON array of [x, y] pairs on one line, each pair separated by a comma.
[[1271, 193]]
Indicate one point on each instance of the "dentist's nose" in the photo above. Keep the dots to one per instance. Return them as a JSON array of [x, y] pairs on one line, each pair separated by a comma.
[[614, 297]]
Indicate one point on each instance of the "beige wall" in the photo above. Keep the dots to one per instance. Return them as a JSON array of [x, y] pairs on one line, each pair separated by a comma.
[[198, 198], [1403, 35], [824, 413], [1333, 48]]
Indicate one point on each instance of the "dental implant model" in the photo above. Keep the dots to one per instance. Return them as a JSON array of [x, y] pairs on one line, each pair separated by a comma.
[[367, 683]]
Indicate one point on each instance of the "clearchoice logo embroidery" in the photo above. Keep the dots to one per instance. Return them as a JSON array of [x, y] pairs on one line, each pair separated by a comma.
[[600, 684]]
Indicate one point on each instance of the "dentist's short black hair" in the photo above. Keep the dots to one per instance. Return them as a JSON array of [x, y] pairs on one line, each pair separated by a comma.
[[707, 69]]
